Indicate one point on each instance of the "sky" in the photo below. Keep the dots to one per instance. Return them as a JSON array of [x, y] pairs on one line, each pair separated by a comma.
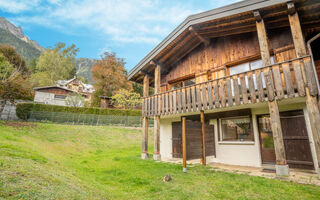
[[129, 28]]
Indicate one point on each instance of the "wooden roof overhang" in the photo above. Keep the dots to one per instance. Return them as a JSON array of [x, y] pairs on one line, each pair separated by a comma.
[[229, 20]]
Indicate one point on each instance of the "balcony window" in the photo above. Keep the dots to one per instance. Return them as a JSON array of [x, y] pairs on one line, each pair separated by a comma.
[[184, 83], [248, 66], [244, 67], [236, 129]]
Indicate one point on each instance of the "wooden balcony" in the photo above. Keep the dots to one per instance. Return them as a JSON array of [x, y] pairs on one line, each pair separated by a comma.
[[278, 81]]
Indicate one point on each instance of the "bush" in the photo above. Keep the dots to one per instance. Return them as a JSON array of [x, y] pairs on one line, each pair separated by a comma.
[[24, 109]]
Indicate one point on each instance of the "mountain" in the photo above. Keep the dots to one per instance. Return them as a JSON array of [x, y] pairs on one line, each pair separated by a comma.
[[26, 50], [83, 66], [29, 49], [10, 34], [17, 31]]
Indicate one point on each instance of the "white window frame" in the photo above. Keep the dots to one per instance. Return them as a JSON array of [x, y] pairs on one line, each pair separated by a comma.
[[250, 142]]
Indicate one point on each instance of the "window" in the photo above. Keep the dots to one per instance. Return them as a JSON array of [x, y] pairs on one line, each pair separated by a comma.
[[183, 83], [236, 129], [56, 96], [244, 67], [257, 64]]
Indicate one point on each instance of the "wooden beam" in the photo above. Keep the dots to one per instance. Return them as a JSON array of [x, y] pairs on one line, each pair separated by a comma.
[[291, 8], [277, 133], [156, 154], [297, 35], [263, 40], [157, 76], [203, 138], [184, 148], [257, 15], [202, 39], [146, 86], [145, 120], [273, 105], [311, 101], [144, 138]]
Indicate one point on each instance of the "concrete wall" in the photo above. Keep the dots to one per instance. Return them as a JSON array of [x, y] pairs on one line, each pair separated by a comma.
[[166, 137], [235, 153], [48, 98]]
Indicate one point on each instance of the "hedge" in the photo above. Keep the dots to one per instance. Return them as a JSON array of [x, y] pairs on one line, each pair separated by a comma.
[[23, 110]]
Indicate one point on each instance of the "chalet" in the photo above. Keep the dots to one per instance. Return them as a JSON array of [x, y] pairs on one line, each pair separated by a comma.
[[57, 94], [237, 85]]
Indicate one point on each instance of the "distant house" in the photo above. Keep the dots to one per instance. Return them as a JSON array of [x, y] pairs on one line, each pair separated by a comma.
[[106, 102], [57, 94]]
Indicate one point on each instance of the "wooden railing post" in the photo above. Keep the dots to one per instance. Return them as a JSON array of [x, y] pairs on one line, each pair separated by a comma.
[[184, 147], [203, 138], [311, 100], [145, 120], [157, 76], [281, 164]]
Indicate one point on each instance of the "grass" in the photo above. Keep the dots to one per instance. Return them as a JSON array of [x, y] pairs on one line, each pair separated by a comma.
[[49, 161]]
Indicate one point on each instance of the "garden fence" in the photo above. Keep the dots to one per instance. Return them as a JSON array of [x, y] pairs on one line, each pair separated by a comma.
[[86, 119]]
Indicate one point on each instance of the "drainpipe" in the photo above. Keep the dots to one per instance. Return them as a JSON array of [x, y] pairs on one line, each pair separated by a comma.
[[313, 65]]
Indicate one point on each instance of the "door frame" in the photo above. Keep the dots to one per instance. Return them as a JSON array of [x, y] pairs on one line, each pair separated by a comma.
[[309, 132]]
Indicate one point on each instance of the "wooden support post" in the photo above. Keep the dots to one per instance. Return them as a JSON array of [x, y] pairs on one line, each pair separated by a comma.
[[156, 154], [145, 120], [277, 133], [203, 138], [281, 164], [311, 101], [184, 147]]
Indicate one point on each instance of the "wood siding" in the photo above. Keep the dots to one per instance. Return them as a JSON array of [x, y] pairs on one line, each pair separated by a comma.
[[212, 60]]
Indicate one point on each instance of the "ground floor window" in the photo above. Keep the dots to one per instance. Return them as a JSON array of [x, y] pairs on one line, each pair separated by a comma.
[[236, 129], [56, 96]]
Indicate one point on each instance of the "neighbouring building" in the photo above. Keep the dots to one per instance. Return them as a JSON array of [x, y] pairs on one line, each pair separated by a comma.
[[57, 94], [106, 102], [237, 85]]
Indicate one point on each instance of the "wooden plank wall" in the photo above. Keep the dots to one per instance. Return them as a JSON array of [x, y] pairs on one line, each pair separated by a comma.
[[224, 51]]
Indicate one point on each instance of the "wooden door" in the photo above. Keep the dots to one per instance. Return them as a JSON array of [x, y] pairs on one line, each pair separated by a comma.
[[194, 140], [176, 140], [296, 140], [268, 155]]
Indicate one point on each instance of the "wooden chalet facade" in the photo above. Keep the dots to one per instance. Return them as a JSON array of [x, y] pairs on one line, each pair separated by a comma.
[[237, 85]]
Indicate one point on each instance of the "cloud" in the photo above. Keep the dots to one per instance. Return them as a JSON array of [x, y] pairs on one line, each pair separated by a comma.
[[16, 6], [130, 21]]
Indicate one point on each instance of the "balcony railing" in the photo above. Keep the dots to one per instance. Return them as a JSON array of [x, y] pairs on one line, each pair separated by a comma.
[[278, 81]]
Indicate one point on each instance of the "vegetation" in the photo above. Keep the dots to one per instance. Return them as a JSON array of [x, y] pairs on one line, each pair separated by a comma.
[[75, 100], [55, 64], [27, 51], [23, 110], [43, 161], [109, 75], [13, 72], [126, 99]]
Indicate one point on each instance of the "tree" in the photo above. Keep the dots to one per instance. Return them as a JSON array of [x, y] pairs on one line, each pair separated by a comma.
[[126, 99], [109, 75], [75, 100], [13, 87], [55, 64], [10, 54], [32, 67]]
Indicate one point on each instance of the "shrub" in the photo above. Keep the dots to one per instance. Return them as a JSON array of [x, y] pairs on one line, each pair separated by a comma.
[[24, 109]]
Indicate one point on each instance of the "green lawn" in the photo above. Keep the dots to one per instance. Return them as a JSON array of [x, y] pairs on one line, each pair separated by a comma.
[[80, 162]]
